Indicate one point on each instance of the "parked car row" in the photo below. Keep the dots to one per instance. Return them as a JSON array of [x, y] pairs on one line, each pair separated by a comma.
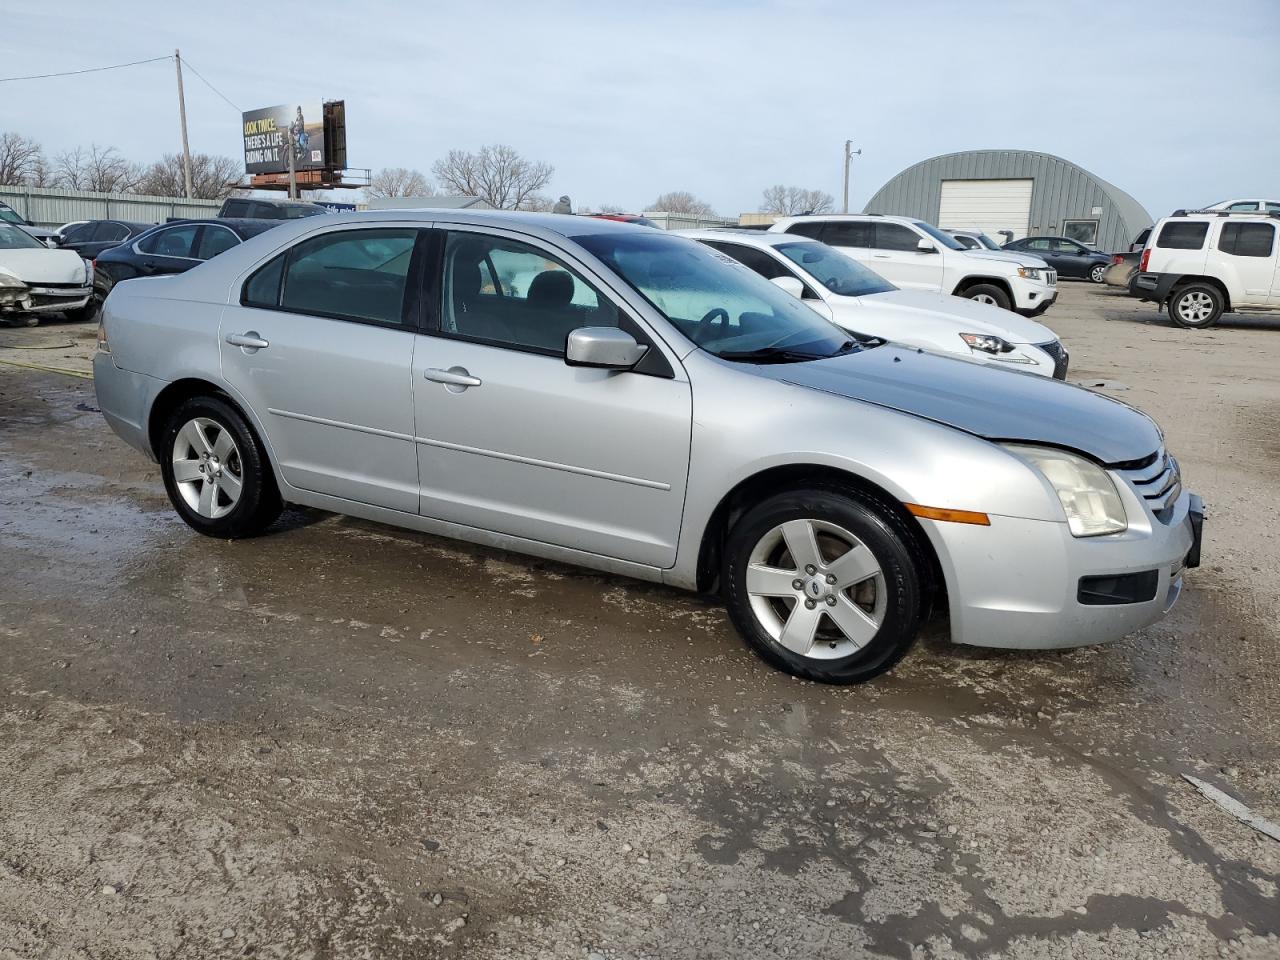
[[648, 404]]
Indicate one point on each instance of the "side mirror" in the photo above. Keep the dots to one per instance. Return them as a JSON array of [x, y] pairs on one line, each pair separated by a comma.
[[792, 285], [926, 246], [51, 243], [606, 347]]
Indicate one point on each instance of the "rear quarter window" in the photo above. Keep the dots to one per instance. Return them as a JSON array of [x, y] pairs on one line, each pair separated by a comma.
[[1182, 235]]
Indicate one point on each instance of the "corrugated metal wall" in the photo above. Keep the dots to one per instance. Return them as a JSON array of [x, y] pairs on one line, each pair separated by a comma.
[[52, 208], [686, 221], [1062, 191]]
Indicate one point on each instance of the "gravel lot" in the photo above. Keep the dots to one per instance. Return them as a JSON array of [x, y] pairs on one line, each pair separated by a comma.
[[344, 740]]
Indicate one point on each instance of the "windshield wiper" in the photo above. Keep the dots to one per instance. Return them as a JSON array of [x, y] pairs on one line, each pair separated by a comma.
[[768, 355]]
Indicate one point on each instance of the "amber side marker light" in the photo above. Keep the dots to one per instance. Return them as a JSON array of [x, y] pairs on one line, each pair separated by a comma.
[[953, 516]]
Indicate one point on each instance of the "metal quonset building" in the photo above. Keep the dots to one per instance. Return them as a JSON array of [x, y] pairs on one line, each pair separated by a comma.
[[1022, 191]]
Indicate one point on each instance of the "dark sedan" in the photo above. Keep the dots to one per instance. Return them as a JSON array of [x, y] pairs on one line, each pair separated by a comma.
[[95, 236], [1069, 257], [173, 247]]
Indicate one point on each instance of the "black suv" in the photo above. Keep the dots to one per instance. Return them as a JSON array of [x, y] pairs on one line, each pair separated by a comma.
[[253, 208]]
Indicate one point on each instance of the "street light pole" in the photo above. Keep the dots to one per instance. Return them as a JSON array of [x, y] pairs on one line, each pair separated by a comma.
[[182, 114], [848, 155]]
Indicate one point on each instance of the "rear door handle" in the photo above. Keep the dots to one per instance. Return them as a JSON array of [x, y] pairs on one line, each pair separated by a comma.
[[881, 256], [250, 340], [453, 377]]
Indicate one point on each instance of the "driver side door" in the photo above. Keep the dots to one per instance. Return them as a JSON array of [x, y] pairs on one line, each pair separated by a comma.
[[513, 440]]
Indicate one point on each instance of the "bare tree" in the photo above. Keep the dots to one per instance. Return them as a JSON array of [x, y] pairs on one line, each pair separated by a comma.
[[399, 182], [496, 174], [682, 201], [789, 201], [99, 169], [19, 158], [211, 177]]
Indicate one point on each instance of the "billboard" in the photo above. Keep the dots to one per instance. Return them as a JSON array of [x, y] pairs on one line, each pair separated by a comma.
[[269, 131]]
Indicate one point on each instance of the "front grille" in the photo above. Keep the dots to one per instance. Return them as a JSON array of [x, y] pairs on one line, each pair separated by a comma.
[[1061, 358], [1158, 481], [1052, 277], [61, 286]]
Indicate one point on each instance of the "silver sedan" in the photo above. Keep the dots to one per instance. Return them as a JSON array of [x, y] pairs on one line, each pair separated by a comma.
[[615, 397]]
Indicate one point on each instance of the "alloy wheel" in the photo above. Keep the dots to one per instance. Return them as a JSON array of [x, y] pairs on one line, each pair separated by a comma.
[[207, 469], [1096, 273], [1196, 307], [816, 589]]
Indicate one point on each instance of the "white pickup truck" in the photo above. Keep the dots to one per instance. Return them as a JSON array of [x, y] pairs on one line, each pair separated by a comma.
[[916, 255]]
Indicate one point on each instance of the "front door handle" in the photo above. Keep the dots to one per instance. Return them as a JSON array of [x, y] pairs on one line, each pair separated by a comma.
[[453, 377], [881, 256], [250, 340]]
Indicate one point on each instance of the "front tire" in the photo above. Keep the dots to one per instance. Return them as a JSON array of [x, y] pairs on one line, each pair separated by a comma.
[[1098, 272], [1196, 306], [988, 293], [215, 471], [825, 584]]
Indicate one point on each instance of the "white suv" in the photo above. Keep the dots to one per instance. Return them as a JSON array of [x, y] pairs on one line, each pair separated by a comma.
[[917, 255], [1201, 264]]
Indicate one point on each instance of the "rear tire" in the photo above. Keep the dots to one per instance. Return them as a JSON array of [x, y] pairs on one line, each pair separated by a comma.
[[861, 599], [1196, 306], [988, 293], [216, 472]]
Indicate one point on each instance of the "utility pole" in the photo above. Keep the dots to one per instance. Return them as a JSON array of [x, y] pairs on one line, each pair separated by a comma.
[[182, 113], [293, 170], [848, 155]]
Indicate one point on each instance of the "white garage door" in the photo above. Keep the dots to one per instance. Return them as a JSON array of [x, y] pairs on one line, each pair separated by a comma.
[[986, 205]]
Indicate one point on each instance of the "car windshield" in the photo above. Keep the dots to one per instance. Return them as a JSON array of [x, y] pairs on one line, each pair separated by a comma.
[[986, 241], [297, 212], [943, 238], [725, 308], [15, 238], [834, 270]]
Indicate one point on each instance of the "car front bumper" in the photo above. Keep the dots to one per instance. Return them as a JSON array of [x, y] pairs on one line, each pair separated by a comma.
[[1030, 297], [41, 299], [1029, 584]]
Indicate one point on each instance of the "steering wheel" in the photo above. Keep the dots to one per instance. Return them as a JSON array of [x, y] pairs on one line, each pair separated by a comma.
[[703, 333]]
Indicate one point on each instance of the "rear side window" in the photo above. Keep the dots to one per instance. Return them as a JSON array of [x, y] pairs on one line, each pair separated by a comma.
[[351, 275], [1247, 239], [859, 233], [109, 230], [216, 240], [235, 208], [1182, 235], [757, 260], [173, 242], [811, 229]]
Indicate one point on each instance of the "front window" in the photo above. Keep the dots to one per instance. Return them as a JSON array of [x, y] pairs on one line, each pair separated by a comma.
[[945, 239], [722, 306], [9, 215], [834, 270], [171, 242], [298, 211], [15, 238]]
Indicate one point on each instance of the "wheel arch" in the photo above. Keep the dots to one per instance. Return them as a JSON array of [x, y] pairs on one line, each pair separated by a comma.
[[772, 480], [1000, 282], [181, 390], [1188, 279]]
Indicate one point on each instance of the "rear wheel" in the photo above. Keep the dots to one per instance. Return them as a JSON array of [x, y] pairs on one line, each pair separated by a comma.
[[215, 471], [824, 584], [988, 293], [1098, 272], [1196, 306]]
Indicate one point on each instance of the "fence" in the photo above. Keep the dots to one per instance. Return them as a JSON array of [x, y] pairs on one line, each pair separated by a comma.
[[46, 207], [687, 221]]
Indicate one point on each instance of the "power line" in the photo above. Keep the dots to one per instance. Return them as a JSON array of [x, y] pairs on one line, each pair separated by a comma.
[[72, 73], [187, 63]]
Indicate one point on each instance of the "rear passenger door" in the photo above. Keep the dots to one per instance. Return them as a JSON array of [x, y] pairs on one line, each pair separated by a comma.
[[320, 347], [513, 440], [1248, 251]]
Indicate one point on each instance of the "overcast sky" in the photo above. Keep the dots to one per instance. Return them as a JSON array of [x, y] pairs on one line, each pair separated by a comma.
[[1177, 102]]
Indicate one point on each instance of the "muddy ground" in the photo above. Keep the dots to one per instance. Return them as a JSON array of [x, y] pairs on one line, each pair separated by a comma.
[[344, 740]]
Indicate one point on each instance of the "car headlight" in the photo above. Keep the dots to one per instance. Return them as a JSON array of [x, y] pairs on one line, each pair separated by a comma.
[[1030, 273], [1087, 494], [88, 271], [986, 342], [9, 280]]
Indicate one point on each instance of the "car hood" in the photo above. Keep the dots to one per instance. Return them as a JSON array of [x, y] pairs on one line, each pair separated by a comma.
[[42, 265], [1008, 256], [949, 314], [995, 404]]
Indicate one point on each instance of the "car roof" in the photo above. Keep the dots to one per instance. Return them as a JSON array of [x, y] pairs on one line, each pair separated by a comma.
[[565, 225], [244, 226], [838, 217], [752, 238]]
